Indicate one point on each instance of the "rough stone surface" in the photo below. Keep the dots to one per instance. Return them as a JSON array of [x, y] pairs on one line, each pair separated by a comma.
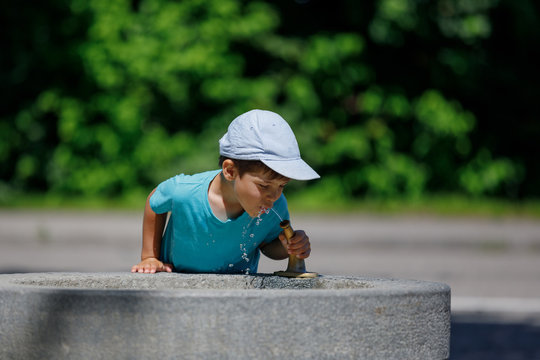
[[208, 316]]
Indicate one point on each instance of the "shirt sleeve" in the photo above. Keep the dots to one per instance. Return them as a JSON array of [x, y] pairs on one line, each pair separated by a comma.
[[162, 199]]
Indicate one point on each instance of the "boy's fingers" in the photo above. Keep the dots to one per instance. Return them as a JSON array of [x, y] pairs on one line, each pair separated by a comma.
[[302, 252], [299, 244], [167, 267], [151, 267], [300, 248], [148, 268], [299, 236]]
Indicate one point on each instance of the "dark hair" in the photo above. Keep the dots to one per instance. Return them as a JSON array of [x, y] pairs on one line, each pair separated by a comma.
[[245, 166]]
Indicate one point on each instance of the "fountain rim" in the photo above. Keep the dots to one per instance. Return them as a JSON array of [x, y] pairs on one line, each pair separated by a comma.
[[382, 286]]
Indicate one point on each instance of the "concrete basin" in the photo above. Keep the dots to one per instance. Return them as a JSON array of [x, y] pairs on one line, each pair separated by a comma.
[[209, 316]]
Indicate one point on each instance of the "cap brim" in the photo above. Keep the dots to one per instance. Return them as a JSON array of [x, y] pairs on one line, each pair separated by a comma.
[[293, 169]]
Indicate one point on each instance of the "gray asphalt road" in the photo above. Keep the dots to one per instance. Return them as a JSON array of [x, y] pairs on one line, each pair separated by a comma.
[[492, 265]]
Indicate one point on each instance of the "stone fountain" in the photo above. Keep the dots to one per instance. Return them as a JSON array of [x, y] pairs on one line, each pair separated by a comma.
[[209, 316]]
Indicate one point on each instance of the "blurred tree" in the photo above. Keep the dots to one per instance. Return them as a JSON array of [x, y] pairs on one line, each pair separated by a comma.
[[432, 60], [387, 98]]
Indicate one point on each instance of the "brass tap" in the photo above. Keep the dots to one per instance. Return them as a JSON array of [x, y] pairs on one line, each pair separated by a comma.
[[296, 267]]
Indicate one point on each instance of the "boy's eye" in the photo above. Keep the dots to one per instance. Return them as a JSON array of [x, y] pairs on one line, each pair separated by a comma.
[[263, 186]]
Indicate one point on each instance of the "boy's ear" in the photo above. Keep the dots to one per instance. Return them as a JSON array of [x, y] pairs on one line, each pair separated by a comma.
[[230, 172]]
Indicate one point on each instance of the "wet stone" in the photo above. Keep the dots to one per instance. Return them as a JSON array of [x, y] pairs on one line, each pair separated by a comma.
[[163, 281]]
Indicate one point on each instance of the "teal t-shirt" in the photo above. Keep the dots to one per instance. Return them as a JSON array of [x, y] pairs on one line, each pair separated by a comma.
[[195, 240]]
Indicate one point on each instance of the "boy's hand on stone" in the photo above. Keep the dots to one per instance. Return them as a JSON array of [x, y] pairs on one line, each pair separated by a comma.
[[298, 245], [151, 266]]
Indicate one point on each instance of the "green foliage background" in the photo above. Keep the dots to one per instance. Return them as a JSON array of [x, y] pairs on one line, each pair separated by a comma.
[[388, 98]]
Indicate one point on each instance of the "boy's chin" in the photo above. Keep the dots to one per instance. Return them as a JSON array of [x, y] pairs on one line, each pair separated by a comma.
[[255, 212]]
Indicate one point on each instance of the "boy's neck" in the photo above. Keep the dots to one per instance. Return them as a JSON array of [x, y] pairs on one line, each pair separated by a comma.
[[222, 200]]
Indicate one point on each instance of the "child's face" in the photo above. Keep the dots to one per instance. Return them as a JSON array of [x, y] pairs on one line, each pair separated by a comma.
[[257, 192]]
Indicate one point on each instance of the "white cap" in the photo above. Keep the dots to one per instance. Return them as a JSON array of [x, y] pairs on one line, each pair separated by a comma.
[[266, 136]]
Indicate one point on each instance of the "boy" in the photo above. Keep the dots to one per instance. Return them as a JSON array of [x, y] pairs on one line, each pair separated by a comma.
[[221, 219]]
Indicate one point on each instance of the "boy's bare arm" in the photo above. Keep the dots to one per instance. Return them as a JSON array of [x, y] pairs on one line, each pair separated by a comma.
[[153, 225], [274, 250]]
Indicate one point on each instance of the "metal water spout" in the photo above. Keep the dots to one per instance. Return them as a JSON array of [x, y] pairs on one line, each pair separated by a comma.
[[296, 267]]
